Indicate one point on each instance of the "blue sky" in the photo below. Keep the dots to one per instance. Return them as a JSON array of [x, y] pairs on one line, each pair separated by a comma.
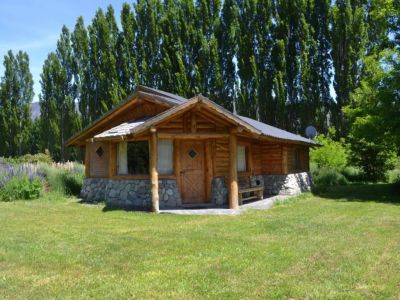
[[35, 25]]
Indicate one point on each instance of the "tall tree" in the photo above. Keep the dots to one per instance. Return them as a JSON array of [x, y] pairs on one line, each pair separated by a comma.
[[228, 34], [51, 81], [173, 76], [103, 34], [248, 103], [82, 71], [57, 101], [349, 38], [318, 100], [69, 121], [148, 40], [126, 51], [15, 100]]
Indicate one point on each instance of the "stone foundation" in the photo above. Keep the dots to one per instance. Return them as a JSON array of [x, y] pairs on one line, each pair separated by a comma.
[[219, 191], [289, 184], [130, 194], [136, 194]]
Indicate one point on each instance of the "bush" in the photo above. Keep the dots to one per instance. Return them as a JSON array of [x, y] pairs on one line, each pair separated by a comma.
[[66, 181], [72, 183], [29, 159], [324, 178], [353, 174], [396, 185], [21, 188], [332, 155]]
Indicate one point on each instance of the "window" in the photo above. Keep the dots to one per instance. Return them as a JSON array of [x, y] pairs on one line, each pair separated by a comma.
[[133, 158], [241, 158], [297, 159], [165, 157]]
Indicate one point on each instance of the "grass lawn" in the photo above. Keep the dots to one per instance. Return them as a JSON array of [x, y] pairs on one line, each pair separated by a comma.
[[344, 245]]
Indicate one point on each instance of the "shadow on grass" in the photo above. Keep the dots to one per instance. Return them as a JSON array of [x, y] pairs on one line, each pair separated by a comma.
[[378, 192], [125, 208]]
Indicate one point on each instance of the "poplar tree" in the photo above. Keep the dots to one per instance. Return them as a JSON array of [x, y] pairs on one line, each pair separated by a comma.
[[148, 15], [82, 71], [173, 75], [103, 64], [348, 47], [51, 81], [248, 103], [318, 108], [126, 52], [15, 100], [228, 32], [59, 119]]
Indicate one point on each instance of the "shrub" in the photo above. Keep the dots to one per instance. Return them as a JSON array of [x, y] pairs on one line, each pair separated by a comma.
[[396, 185], [29, 159], [65, 179], [72, 183], [333, 154], [353, 174], [21, 188], [324, 178]]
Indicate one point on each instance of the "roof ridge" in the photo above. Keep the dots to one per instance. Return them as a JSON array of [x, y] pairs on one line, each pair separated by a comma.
[[161, 93]]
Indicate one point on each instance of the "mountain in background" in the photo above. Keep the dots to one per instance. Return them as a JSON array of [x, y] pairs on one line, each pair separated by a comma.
[[35, 110]]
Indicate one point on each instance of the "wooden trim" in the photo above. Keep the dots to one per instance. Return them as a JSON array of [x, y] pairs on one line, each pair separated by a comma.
[[233, 183], [208, 169], [177, 165], [193, 124], [155, 199], [193, 136], [112, 159], [87, 160]]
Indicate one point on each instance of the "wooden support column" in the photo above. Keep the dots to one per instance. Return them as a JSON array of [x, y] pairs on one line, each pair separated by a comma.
[[87, 160], [233, 183], [155, 199]]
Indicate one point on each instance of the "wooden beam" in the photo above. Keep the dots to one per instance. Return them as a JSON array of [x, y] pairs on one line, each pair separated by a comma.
[[177, 166], [87, 160], [191, 136], [233, 183], [155, 199], [193, 127], [209, 168], [112, 160]]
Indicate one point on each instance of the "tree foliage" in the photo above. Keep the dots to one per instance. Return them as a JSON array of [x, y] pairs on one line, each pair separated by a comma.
[[287, 63]]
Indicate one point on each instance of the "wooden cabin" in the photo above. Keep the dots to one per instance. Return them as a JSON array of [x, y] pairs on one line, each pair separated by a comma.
[[159, 150]]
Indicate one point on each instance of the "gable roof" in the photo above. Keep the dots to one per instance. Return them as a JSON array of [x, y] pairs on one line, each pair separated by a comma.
[[144, 92], [179, 105], [275, 132]]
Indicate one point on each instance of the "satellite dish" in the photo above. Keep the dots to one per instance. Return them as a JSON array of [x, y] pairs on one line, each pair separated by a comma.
[[311, 132]]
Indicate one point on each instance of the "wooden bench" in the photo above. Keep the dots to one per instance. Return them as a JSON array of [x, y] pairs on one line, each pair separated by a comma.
[[256, 192]]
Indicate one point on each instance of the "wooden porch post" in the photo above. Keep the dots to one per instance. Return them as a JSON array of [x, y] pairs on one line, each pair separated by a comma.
[[233, 184], [155, 205]]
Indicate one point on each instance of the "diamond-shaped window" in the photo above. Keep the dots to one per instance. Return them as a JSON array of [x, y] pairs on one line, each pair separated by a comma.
[[192, 153], [100, 152]]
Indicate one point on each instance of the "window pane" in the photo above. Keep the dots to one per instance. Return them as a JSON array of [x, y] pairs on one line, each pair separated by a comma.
[[165, 157], [138, 158], [122, 161], [241, 158]]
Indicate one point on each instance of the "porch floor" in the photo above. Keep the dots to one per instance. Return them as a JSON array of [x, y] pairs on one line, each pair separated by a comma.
[[260, 204]]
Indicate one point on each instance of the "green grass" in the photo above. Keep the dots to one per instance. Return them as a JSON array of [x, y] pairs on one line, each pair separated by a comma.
[[345, 245]]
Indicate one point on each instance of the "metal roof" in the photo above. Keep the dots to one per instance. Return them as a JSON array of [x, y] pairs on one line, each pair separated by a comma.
[[276, 132], [120, 130], [167, 96]]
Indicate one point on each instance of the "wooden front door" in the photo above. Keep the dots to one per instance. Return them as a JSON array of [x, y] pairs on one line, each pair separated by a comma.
[[192, 172]]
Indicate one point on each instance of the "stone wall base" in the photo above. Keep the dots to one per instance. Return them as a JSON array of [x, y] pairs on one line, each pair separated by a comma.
[[136, 194], [288, 184], [130, 194]]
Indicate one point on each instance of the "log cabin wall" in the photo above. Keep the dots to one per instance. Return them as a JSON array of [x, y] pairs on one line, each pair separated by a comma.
[[98, 159]]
